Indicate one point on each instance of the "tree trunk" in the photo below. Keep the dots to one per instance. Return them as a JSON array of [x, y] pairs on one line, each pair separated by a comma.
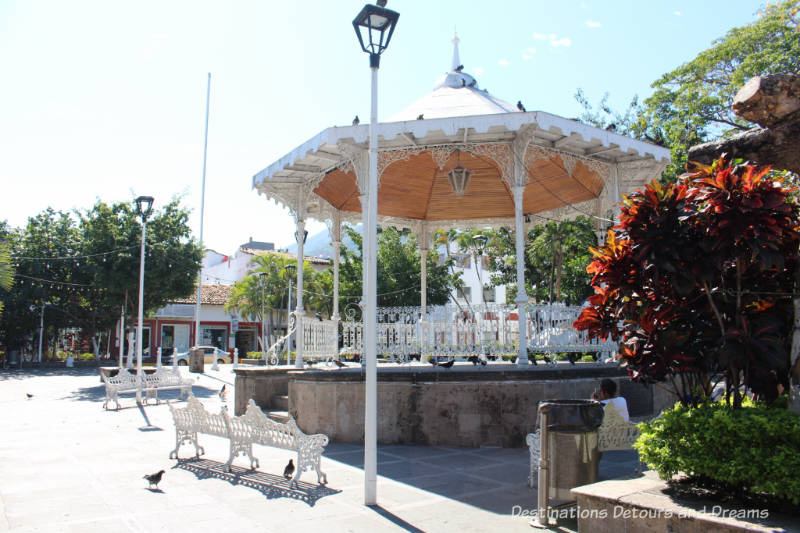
[[774, 103], [769, 100], [794, 368], [778, 147]]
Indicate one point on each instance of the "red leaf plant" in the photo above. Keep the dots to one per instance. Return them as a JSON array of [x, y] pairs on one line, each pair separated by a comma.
[[695, 282]]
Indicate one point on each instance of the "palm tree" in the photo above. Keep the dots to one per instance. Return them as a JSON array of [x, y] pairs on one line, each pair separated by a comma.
[[6, 270]]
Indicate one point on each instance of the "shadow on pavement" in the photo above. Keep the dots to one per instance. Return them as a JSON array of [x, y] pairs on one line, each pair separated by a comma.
[[39, 371], [269, 485], [492, 479], [98, 394]]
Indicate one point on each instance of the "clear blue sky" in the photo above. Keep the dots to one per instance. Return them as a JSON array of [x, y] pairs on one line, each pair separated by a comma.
[[106, 99]]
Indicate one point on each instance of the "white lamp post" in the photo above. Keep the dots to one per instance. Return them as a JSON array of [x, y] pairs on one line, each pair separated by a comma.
[[144, 205], [374, 26]]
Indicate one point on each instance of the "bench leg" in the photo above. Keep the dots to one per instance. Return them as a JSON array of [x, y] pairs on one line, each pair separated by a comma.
[[244, 448]]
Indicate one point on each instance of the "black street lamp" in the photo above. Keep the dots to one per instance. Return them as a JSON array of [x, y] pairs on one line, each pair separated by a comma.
[[374, 26]]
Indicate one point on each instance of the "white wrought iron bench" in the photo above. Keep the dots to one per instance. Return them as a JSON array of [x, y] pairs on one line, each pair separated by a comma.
[[254, 427], [162, 379], [613, 434]]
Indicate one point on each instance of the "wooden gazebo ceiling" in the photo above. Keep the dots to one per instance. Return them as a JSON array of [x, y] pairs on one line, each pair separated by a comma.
[[417, 189]]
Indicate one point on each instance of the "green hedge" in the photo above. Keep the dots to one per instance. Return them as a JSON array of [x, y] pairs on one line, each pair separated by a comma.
[[752, 449]]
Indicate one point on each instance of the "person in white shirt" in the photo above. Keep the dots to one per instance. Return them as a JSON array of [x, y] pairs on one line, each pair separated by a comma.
[[607, 393]]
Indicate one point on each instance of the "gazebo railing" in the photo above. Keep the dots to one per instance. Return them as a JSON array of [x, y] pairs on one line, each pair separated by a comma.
[[320, 338], [452, 331]]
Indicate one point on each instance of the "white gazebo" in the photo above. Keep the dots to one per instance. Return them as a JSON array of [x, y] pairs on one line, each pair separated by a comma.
[[456, 158]]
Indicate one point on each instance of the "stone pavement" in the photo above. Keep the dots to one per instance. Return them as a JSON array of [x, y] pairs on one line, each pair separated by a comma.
[[66, 465]]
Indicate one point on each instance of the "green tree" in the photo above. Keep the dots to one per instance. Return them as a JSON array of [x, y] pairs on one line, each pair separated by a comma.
[[398, 271], [556, 257], [266, 286], [692, 103], [80, 266], [6, 270]]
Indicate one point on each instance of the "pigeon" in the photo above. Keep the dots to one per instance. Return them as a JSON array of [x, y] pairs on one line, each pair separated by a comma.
[[459, 68], [29, 395], [319, 317], [339, 363], [289, 470], [520, 106], [356, 121], [420, 116], [154, 479], [448, 364], [381, 3], [611, 127], [222, 392]]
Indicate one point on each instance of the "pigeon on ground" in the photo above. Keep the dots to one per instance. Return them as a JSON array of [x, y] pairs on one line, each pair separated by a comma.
[[222, 392], [339, 363], [319, 317], [420, 116], [448, 364], [356, 121], [289, 470], [520, 106], [154, 479], [29, 395]]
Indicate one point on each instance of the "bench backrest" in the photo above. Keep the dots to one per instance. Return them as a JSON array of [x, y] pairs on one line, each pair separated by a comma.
[[164, 377], [615, 433], [195, 418], [269, 432], [123, 377]]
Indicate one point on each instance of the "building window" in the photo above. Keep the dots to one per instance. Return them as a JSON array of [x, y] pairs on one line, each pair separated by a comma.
[[214, 336], [465, 293], [489, 295]]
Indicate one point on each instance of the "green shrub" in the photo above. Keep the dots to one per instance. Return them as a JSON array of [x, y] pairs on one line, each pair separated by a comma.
[[753, 449], [253, 355], [84, 357]]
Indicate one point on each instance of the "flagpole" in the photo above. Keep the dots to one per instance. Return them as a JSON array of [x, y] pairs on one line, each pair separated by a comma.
[[202, 207]]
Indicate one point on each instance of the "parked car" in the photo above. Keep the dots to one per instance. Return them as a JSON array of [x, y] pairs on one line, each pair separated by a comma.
[[210, 353]]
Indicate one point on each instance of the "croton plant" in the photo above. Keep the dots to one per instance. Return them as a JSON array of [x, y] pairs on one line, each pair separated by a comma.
[[696, 282]]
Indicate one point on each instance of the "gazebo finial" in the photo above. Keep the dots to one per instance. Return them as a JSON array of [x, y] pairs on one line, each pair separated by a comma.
[[456, 60]]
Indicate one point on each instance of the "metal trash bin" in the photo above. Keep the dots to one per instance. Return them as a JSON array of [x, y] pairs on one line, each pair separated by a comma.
[[569, 457], [13, 358], [196, 360]]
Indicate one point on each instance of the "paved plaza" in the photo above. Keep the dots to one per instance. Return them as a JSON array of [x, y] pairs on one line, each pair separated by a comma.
[[67, 465]]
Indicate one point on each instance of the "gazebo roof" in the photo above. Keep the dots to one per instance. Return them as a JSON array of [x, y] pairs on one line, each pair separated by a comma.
[[566, 161]]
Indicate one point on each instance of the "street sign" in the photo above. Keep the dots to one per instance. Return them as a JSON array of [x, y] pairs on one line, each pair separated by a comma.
[[234, 324]]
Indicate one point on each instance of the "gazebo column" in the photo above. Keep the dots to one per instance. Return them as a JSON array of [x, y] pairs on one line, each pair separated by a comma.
[[336, 245], [522, 297], [336, 242], [299, 311], [423, 279]]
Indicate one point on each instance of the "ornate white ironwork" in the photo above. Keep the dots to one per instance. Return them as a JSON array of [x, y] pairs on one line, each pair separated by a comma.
[[254, 427], [534, 447], [320, 338], [492, 329], [500, 153], [441, 153], [163, 378], [550, 330]]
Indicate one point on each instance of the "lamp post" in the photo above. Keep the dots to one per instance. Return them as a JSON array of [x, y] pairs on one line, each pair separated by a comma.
[[261, 276], [144, 205], [290, 271], [374, 26]]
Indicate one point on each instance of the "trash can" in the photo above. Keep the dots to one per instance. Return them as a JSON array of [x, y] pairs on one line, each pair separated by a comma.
[[196, 360], [13, 358], [568, 433]]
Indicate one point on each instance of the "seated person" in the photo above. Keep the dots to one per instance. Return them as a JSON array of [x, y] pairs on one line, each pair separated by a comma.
[[607, 393]]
